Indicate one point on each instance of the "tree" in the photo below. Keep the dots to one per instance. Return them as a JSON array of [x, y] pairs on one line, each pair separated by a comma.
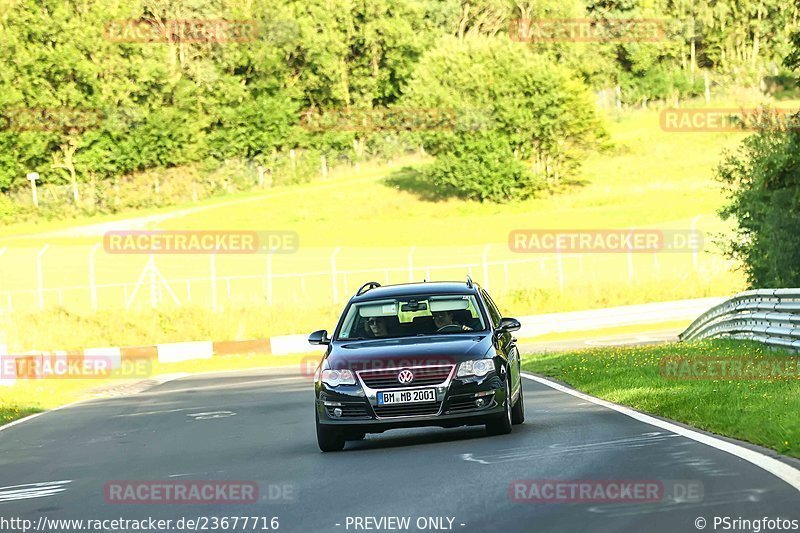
[[510, 100]]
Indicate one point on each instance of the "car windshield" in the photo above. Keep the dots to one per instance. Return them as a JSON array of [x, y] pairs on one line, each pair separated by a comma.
[[412, 316]]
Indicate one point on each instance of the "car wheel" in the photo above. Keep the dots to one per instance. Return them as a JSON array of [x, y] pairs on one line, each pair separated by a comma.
[[501, 425], [329, 440], [518, 411]]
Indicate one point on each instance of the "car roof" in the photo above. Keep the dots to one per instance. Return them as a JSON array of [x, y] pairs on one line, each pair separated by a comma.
[[413, 289]]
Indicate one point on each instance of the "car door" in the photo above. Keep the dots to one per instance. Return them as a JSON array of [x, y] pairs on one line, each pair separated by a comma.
[[506, 343]]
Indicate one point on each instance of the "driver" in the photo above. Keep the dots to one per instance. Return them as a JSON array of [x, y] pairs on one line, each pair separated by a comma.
[[445, 318], [377, 326]]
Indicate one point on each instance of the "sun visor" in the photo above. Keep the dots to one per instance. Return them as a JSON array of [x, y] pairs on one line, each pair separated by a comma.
[[448, 303], [378, 309]]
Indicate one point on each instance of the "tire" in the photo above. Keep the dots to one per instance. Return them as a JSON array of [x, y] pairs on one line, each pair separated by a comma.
[[518, 411], [501, 425], [329, 440]]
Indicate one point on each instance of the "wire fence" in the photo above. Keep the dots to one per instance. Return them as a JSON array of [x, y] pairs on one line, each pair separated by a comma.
[[85, 278]]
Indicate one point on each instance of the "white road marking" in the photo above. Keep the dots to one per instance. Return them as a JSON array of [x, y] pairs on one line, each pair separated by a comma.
[[525, 453], [32, 490], [777, 468], [211, 414], [163, 411]]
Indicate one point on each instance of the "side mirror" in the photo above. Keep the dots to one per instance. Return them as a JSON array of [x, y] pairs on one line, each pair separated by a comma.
[[508, 325], [319, 337]]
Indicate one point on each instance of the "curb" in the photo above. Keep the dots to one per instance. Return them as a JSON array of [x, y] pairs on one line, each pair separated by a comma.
[[25, 365]]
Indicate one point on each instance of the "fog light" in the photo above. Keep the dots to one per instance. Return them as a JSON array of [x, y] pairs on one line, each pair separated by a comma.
[[479, 402], [337, 412]]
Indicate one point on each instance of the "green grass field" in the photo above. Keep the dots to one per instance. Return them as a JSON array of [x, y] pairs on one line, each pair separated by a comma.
[[386, 228], [761, 411]]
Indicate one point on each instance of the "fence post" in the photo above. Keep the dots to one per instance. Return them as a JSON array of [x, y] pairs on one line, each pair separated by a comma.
[[630, 259], [151, 266], [213, 266], [39, 275], [260, 176], [411, 264], [324, 166], [333, 276], [560, 262], [92, 280], [269, 279], [2, 251], [486, 267], [694, 247]]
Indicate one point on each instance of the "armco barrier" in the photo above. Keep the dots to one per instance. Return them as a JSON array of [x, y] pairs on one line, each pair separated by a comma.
[[770, 316]]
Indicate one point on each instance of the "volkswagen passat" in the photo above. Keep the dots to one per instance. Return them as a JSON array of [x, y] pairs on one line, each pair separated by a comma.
[[421, 354]]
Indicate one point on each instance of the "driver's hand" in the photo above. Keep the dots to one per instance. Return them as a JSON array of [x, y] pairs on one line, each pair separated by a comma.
[[466, 328]]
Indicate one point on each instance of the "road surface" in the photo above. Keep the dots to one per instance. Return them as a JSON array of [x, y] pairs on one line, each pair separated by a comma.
[[258, 426]]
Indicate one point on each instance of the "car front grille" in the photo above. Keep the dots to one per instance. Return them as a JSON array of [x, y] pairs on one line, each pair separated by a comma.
[[423, 376], [411, 409]]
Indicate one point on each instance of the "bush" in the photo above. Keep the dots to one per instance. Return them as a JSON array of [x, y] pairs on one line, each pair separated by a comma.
[[483, 167], [527, 118], [763, 183]]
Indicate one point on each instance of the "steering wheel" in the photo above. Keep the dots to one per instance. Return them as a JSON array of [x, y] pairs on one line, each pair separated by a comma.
[[456, 326]]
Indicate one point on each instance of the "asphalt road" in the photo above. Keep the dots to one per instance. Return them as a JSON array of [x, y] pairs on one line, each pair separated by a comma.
[[258, 426]]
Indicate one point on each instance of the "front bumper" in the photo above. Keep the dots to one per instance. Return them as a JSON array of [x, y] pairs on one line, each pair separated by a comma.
[[455, 405]]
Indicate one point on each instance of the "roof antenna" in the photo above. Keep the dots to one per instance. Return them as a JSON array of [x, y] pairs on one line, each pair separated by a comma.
[[469, 281]]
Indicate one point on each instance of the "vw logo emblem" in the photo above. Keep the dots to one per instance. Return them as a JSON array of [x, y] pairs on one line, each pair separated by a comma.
[[405, 376]]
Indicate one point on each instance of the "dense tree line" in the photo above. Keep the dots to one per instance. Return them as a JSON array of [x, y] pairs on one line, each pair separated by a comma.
[[762, 178], [188, 102]]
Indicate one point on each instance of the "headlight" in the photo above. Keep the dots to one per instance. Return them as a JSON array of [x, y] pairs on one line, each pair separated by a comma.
[[333, 378], [479, 367]]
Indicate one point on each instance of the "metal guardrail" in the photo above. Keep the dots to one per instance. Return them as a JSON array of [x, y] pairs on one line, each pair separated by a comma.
[[769, 316]]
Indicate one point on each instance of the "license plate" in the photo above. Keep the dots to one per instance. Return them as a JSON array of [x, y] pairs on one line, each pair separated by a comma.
[[407, 396]]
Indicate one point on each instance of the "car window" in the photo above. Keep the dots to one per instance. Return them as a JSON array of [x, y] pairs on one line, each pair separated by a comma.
[[412, 316], [494, 312]]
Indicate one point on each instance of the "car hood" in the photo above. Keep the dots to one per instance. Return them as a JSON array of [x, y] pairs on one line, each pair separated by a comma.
[[408, 351]]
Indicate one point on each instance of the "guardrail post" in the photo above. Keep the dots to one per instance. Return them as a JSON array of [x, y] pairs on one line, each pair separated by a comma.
[[39, 276]]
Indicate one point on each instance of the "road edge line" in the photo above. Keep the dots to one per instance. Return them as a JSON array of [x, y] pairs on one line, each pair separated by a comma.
[[787, 473]]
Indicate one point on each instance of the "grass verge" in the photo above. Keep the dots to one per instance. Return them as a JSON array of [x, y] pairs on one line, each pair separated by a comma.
[[760, 411]]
